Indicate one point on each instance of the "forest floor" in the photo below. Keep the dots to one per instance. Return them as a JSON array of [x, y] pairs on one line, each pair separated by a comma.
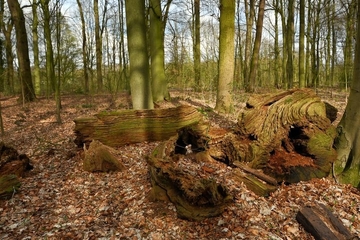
[[59, 200]]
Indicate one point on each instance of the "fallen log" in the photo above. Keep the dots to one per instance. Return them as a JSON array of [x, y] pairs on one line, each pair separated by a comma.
[[322, 223], [118, 128], [281, 137], [287, 135]]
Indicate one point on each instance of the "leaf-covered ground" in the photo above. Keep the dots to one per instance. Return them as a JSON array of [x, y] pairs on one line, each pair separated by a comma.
[[58, 200]]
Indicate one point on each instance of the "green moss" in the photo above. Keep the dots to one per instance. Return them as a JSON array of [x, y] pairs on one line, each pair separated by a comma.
[[8, 185], [321, 146]]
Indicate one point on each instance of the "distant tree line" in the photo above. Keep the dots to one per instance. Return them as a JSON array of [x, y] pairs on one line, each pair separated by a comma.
[[82, 46]]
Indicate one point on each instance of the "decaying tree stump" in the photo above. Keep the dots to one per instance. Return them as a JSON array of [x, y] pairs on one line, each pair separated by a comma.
[[187, 178], [118, 128], [280, 137], [11, 162], [287, 135], [12, 166]]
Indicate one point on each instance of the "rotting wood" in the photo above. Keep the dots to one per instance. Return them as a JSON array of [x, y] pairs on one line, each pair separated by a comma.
[[118, 128], [322, 223], [256, 173], [187, 180], [288, 135]]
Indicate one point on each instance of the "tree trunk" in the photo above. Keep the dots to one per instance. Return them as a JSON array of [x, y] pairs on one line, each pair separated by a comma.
[[278, 81], [50, 69], [138, 55], [302, 81], [58, 81], [98, 46], [84, 47], [6, 30], [22, 51], [289, 45], [250, 15], [35, 40], [226, 55], [255, 56], [346, 167], [196, 44], [157, 27], [128, 126]]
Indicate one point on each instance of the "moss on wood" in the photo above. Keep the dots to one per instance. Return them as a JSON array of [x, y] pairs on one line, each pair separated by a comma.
[[118, 128]]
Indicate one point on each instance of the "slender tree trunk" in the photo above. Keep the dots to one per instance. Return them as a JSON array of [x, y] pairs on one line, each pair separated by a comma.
[[278, 81], [255, 57], [140, 84], [284, 45], [250, 14], [302, 81], [122, 56], [6, 29], [84, 47], [239, 66], [289, 44], [58, 41], [334, 48], [98, 46], [328, 45], [196, 44], [309, 42], [349, 43], [347, 165], [35, 40], [22, 51], [50, 69], [226, 54], [157, 27]]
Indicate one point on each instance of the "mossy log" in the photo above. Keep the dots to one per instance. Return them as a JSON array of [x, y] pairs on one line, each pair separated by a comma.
[[118, 128]]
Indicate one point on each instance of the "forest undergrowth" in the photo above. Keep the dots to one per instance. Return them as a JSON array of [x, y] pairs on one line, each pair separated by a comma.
[[59, 200]]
